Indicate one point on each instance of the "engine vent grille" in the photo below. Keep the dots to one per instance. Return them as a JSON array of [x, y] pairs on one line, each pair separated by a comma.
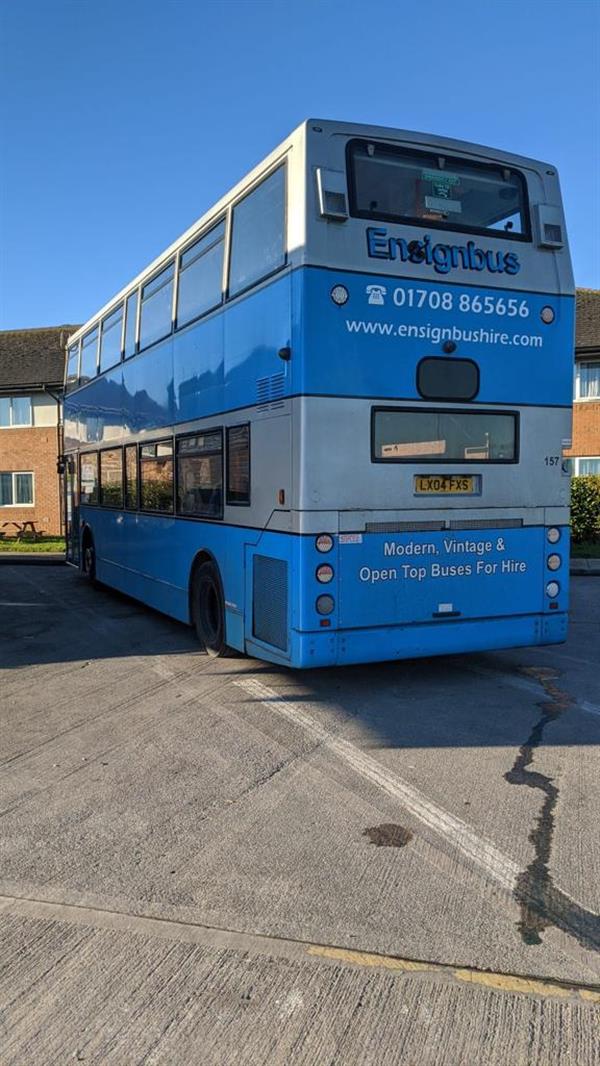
[[270, 392], [485, 523], [453, 523], [270, 587], [402, 527]]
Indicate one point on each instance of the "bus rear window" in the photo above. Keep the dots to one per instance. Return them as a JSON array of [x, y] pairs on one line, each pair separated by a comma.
[[409, 434], [432, 189]]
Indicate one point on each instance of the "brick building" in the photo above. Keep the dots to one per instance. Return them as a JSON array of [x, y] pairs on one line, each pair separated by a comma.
[[31, 381], [585, 453]]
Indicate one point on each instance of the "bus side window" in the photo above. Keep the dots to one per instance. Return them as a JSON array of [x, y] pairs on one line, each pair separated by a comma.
[[89, 356], [258, 240], [238, 465], [88, 477], [131, 477], [110, 339], [157, 303], [111, 477], [73, 368], [130, 324], [156, 476], [200, 276], [200, 474]]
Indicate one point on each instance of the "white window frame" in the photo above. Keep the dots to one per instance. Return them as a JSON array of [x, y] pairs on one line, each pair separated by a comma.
[[18, 425], [15, 473], [577, 395], [575, 472]]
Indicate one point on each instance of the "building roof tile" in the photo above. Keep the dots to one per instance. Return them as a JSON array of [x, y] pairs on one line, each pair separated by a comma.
[[33, 358], [587, 318]]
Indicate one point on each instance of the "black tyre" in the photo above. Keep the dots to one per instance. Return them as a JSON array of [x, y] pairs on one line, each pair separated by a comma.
[[88, 558], [208, 613]]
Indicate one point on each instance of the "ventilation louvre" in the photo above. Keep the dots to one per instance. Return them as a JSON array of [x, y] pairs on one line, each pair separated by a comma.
[[402, 527], [270, 392], [270, 590], [453, 523], [485, 523]]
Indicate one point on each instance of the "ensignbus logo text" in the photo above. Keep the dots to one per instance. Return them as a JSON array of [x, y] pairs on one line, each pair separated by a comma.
[[442, 257]]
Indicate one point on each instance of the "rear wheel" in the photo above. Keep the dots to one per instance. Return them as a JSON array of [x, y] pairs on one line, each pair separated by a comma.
[[208, 614], [88, 557]]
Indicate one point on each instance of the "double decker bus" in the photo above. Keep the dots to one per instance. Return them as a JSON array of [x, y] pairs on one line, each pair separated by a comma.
[[326, 425]]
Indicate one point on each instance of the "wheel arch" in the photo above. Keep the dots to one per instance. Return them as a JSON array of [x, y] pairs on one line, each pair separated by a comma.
[[87, 537], [202, 556]]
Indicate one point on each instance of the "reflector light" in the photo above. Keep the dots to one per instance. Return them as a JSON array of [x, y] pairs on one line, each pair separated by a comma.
[[554, 562], [340, 295], [325, 604], [325, 573], [324, 542], [552, 589], [547, 315], [553, 535]]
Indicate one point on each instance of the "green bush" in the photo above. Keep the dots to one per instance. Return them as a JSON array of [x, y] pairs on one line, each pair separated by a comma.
[[585, 508]]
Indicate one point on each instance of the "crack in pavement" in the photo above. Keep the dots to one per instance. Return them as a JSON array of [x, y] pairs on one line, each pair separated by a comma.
[[542, 903]]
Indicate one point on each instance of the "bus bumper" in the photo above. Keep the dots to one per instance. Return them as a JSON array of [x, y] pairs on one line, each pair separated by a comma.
[[385, 643]]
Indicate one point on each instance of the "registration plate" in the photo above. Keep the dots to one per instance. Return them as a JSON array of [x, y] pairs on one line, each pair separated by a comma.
[[445, 484]]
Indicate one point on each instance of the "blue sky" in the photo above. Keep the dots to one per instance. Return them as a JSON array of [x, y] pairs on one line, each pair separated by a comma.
[[124, 120]]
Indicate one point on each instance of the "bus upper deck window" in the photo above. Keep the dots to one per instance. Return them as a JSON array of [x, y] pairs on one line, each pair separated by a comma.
[[426, 188], [258, 235]]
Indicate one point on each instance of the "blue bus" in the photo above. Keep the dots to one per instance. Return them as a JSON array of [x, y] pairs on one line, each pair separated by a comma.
[[326, 425]]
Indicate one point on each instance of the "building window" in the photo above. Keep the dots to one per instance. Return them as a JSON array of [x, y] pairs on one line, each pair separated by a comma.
[[200, 474], [587, 380], [258, 241], [88, 477], [585, 466], [110, 339], [200, 276], [238, 465], [130, 324], [15, 411], [156, 477], [157, 307], [16, 489], [89, 356], [111, 477], [131, 477]]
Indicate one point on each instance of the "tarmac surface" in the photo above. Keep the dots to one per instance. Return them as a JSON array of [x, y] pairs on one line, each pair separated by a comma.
[[220, 861]]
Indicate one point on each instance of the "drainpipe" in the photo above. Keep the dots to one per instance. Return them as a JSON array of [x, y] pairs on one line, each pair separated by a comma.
[[60, 440]]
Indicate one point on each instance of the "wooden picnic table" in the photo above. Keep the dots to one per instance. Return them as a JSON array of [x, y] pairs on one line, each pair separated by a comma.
[[25, 530]]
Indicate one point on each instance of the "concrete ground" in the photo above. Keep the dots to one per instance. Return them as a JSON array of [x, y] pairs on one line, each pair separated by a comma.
[[226, 862]]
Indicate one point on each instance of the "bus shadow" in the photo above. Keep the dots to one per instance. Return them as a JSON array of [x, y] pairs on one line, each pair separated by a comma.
[[52, 615]]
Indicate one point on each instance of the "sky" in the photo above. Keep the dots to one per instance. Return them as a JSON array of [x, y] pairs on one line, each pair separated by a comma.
[[123, 121]]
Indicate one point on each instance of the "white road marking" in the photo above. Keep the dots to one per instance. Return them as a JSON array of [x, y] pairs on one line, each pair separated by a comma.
[[506, 679], [525, 685], [499, 867], [478, 849]]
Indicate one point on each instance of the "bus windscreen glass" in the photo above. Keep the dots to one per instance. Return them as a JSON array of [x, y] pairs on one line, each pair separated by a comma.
[[401, 186]]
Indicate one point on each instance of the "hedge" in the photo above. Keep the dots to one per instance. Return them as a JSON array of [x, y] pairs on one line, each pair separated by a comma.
[[585, 508]]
